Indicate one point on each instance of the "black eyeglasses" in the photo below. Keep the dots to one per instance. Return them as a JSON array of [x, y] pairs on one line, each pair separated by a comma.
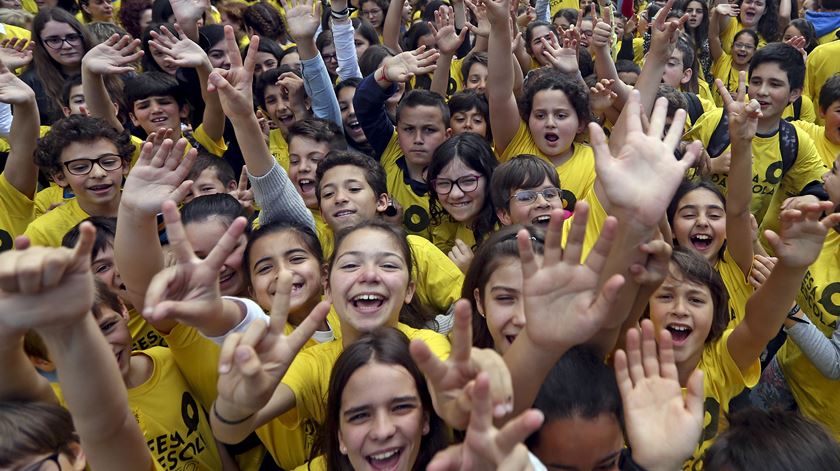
[[39, 465], [466, 184], [56, 42], [107, 162], [529, 196]]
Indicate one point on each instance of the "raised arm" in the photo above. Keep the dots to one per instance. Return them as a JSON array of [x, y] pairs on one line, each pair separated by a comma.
[[344, 40], [303, 19], [448, 41], [53, 291], [797, 246], [719, 15], [20, 170], [183, 52], [504, 113], [743, 119], [188, 13], [601, 47], [153, 180], [113, 57], [392, 25], [563, 305]]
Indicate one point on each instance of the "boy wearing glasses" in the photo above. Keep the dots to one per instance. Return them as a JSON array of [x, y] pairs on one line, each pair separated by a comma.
[[525, 190], [91, 158]]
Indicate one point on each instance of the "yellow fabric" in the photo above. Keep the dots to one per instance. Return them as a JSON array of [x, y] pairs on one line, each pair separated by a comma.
[[826, 149], [769, 189], [415, 206], [807, 113], [557, 5], [49, 229], [737, 286], [175, 425], [639, 51], [16, 32], [216, 148], [17, 211], [437, 279], [827, 38], [143, 335], [279, 148], [50, 196], [30, 6], [445, 234], [577, 173], [704, 92], [822, 65], [722, 381], [309, 374], [819, 298], [722, 69], [597, 217], [456, 78], [727, 36]]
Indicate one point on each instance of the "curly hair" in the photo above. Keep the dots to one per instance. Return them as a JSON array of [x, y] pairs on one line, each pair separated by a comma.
[[78, 128], [551, 79], [130, 13]]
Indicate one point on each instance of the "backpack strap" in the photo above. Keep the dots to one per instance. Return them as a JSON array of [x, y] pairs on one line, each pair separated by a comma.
[[797, 110], [719, 140], [788, 145], [695, 108]]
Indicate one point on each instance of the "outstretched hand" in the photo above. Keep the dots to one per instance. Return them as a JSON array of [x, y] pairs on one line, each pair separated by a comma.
[[443, 29], [302, 18], [563, 306], [12, 89], [802, 233], [663, 426], [403, 66], [16, 52], [625, 177], [115, 56], [178, 49], [159, 177]]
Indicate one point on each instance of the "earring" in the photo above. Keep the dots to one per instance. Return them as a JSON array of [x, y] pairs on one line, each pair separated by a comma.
[[342, 449]]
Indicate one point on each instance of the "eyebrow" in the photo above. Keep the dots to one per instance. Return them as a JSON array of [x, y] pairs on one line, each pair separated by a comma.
[[695, 207], [359, 253], [503, 288], [396, 400]]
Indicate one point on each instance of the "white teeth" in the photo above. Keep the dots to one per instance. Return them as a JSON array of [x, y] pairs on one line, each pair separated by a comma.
[[703, 237], [384, 456], [541, 219], [367, 297], [679, 328]]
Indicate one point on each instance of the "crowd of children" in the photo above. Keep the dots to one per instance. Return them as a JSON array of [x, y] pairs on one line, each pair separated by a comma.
[[429, 234]]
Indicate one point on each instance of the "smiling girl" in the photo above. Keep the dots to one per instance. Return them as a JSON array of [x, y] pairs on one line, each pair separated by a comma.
[[727, 65]]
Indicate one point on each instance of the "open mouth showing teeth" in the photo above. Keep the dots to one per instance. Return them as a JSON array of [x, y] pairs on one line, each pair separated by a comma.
[[225, 277], [368, 301], [100, 188], [544, 219], [679, 333], [551, 137], [385, 460], [306, 185], [158, 120], [354, 125], [296, 287], [343, 213], [701, 241]]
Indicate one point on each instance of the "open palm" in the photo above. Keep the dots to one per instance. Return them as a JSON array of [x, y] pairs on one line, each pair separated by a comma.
[[158, 178]]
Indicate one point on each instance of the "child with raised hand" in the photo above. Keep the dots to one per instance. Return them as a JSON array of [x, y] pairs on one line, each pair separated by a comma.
[[554, 112], [691, 305], [743, 46], [51, 290], [808, 359], [20, 174], [422, 124], [719, 228]]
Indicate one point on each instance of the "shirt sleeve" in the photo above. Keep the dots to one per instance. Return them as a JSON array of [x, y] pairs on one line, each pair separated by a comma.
[[279, 200], [316, 82], [824, 353], [345, 50], [369, 103]]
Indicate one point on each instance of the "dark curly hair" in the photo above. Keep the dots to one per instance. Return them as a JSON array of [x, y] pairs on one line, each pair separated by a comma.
[[130, 13], [551, 79], [78, 128]]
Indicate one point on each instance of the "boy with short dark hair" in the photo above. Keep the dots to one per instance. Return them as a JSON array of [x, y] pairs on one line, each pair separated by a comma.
[[91, 158], [422, 125], [525, 190], [785, 160]]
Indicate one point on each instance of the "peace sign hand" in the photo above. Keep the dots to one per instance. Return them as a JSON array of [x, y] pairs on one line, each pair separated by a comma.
[[189, 291], [235, 84], [242, 194], [449, 380], [252, 364], [743, 117]]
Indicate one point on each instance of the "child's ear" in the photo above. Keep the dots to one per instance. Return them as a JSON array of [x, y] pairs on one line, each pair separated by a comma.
[[231, 185], [448, 133], [504, 217], [795, 94], [133, 119], [687, 74], [184, 111], [66, 111], [409, 291], [479, 306], [325, 282], [59, 179], [382, 203]]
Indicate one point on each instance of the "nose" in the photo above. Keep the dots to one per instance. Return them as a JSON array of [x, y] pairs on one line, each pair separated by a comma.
[[468, 125], [369, 272], [418, 136], [679, 307], [340, 197], [518, 318], [383, 427], [541, 201], [456, 192], [97, 171]]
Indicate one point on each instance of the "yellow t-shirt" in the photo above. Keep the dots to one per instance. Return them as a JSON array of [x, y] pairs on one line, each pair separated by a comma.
[[737, 286], [807, 113], [819, 298], [174, 423], [11, 31], [577, 173], [198, 136], [412, 195], [456, 78], [769, 187], [445, 234], [727, 36], [143, 335], [279, 148], [597, 217], [49, 229], [721, 382], [722, 69], [17, 211], [557, 5], [822, 64], [309, 374], [50, 196], [827, 38], [826, 149]]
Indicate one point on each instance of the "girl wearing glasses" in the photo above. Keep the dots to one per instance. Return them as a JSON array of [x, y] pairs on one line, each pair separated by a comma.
[[726, 66], [459, 204], [60, 43]]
